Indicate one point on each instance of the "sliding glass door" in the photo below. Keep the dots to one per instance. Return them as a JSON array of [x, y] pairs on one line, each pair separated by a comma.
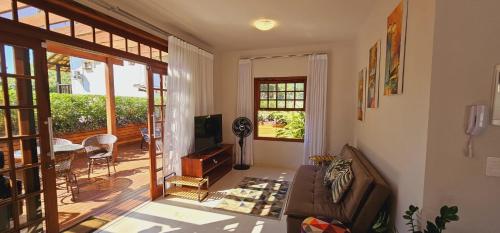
[[27, 177]]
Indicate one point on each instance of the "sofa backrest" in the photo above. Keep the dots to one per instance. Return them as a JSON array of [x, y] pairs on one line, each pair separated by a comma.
[[353, 199], [368, 193]]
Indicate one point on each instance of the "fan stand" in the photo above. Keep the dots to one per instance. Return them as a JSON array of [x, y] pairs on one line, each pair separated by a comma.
[[241, 166]]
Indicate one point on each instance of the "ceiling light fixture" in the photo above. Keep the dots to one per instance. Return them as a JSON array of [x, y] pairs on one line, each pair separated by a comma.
[[264, 24]]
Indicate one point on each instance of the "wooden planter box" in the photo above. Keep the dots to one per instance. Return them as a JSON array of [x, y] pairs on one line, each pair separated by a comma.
[[127, 134]]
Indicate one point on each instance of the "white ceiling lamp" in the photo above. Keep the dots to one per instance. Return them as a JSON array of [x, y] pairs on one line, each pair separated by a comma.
[[264, 24]]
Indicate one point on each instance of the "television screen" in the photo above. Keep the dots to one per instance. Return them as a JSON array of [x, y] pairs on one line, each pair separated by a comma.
[[207, 132]]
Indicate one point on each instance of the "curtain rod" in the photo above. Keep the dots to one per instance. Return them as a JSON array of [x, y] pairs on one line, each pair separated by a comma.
[[281, 56], [106, 5]]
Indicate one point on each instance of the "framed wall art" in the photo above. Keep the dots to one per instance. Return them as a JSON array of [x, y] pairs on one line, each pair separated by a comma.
[[395, 50]]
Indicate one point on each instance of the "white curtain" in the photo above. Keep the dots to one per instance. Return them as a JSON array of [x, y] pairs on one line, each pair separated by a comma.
[[245, 108], [203, 85], [314, 138], [189, 87]]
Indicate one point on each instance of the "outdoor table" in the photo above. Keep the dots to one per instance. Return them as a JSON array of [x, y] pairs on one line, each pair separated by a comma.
[[58, 149]]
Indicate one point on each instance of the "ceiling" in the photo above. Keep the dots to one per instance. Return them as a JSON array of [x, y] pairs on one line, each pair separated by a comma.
[[226, 24]]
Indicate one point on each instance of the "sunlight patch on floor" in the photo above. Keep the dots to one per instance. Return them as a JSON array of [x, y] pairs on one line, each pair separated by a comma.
[[258, 227], [181, 214], [145, 218], [174, 214], [231, 227]]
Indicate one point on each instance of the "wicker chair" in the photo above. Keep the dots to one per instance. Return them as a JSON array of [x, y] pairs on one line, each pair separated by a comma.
[[63, 167], [100, 148]]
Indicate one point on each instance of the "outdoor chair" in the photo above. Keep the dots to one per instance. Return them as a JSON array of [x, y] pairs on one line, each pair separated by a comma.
[[145, 136], [63, 167], [100, 148]]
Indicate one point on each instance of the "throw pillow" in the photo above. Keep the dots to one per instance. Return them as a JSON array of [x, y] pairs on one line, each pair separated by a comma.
[[341, 183], [331, 171], [326, 178]]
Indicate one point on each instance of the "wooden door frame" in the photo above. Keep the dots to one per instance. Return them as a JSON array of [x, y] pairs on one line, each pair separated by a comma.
[[155, 188], [43, 102]]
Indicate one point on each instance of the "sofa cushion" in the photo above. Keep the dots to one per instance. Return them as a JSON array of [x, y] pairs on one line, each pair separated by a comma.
[[309, 197], [360, 187]]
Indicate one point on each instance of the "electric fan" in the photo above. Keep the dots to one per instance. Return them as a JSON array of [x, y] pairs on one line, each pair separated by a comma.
[[242, 127]]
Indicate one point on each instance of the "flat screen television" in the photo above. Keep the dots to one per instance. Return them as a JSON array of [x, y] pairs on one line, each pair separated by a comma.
[[207, 132]]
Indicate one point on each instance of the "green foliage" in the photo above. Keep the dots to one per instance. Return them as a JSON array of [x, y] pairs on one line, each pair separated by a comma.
[[65, 79], [279, 117], [131, 110], [447, 214], [76, 113], [294, 127], [381, 225], [286, 124], [409, 216]]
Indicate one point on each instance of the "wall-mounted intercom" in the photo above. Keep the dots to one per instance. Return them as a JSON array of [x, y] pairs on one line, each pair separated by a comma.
[[475, 123]]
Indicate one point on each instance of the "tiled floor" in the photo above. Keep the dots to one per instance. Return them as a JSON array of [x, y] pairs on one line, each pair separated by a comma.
[[179, 215], [103, 196]]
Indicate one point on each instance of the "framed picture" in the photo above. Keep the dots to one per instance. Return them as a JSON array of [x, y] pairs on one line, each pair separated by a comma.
[[395, 50], [372, 85], [361, 95]]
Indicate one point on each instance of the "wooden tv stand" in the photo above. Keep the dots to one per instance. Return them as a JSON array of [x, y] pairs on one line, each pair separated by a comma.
[[213, 164]]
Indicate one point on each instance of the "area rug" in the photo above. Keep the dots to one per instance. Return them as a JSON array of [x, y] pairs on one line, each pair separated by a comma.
[[88, 225], [256, 196]]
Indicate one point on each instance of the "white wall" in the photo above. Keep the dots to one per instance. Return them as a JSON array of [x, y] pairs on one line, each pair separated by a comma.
[[339, 114], [466, 50], [394, 136], [128, 75], [93, 81]]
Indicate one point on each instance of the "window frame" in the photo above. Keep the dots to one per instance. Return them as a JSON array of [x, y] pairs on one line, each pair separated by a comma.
[[257, 108]]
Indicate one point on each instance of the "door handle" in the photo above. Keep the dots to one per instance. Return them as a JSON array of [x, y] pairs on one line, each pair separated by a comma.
[[51, 153]]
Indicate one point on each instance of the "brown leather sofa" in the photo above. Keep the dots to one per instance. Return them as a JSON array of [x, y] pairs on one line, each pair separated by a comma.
[[359, 207]]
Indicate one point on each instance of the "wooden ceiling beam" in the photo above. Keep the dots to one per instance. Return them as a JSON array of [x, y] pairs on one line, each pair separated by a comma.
[[82, 38], [69, 51], [89, 16]]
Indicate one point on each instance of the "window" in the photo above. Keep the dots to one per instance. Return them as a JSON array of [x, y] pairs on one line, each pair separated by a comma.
[[31, 15], [119, 43], [6, 9], [102, 37], [84, 32], [59, 24], [280, 108]]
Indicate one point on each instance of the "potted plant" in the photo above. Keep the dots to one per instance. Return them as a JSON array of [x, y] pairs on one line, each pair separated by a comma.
[[447, 214]]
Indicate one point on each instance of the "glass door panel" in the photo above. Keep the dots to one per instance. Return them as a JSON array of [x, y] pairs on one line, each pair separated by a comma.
[[22, 141], [157, 96]]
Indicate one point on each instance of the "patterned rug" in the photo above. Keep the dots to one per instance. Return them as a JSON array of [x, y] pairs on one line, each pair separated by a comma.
[[256, 196]]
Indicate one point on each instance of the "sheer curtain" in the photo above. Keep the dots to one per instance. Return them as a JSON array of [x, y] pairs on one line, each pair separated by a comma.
[[314, 138], [189, 92], [245, 108]]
